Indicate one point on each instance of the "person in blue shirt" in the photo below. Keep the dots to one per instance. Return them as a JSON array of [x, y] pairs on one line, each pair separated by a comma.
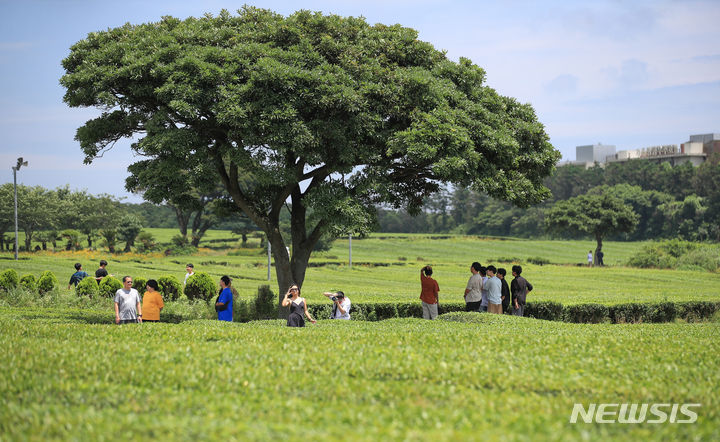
[[224, 302], [77, 276]]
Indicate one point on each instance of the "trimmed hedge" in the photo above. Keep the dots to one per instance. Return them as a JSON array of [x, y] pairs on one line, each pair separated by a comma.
[[170, 288], [108, 286], [9, 279], [29, 283], [139, 284], [47, 282], [551, 311], [200, 286], [88, 286]]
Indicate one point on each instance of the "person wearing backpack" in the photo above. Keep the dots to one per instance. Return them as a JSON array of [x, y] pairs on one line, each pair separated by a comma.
[[519, 287]]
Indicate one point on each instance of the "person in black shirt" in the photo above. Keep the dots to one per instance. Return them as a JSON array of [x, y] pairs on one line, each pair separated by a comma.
[[101, 272], [504, 290]]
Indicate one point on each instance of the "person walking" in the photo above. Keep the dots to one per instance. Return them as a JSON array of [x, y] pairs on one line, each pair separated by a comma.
[[429, 293], [78, 276], [298, 307], [224, 301], [152, 302], [127, 303], [519, 288], [473, 291], [102, 271]]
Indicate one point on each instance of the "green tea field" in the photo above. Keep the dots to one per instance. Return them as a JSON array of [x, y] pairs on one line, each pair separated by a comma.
[[386, 268], [63, 377]]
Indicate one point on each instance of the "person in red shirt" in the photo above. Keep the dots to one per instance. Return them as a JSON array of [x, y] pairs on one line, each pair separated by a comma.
[[429, 293]]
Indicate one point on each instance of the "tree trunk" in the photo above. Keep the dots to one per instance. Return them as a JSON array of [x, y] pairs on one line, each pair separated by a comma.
[[128, 244], [89, 240], [183, 219], [598, 248], [282, 268]]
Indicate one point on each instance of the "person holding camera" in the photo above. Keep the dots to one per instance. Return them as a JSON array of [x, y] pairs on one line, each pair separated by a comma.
[[298, 307], [341, 305]]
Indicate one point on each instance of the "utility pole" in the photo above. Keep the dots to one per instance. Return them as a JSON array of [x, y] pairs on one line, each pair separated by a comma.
[[350, 250], [15, 169]]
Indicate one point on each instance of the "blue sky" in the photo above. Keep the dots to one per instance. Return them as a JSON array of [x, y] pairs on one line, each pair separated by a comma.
[[628, 73]]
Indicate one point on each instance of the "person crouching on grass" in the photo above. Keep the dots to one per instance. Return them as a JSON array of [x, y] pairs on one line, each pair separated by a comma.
[[298, 306], [127, 303], [494, 289], [152, 302]]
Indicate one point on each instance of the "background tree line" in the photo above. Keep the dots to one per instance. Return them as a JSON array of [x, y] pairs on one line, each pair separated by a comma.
[[669, 202]]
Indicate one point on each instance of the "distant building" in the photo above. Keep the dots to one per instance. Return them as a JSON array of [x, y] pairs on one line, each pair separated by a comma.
[[695, 151]]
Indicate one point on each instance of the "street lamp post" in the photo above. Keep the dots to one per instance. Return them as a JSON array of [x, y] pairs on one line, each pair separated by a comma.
[[15, 169]]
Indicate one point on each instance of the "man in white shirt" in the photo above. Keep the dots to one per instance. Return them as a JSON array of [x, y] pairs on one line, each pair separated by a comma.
[[190, 271], [341, 309], [128, 307], [473, 291]]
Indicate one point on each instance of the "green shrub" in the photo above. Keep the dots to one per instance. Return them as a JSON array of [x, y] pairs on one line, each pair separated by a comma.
[[586, 313], [139, 284], [696, 311], [663, 312], [386, 311], [200, 286], [170, 287], [266, 303], [108, 286], [29, 283], [87, 287], [324, 311], [243, 310], [547, 310], [9, 279], [706, 258], [47, 282], [410, 310], [538, 260], [629, 313]]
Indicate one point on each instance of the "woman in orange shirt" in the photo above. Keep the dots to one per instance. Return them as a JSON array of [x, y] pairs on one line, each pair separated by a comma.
[[152, 302]]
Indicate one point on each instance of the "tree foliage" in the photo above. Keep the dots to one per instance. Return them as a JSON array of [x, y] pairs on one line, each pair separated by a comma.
[[358, 114], [597, 215]]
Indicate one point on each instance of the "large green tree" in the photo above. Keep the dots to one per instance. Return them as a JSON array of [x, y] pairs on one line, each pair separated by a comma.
[[328, 115], [596, 215]]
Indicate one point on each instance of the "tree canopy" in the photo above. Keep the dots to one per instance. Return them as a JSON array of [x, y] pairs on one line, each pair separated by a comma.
[[597, 214], [326, 114]]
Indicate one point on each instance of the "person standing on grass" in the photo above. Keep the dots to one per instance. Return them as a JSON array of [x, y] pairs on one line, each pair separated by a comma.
[[102, 271], [484, 302], [590, 259], [127, 303], [224, 301], [190, 271], [504, 290], [473, 291], [519, 288], [298, 307], [494, 290], [78, 276], [428, 293], [152, 302]]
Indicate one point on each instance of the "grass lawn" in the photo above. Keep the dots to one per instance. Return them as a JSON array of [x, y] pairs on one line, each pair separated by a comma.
[[405, 379]]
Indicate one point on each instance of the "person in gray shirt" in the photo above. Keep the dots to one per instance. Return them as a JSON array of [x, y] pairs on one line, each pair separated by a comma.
[[473, 291], [127, 303], [494, 289]]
